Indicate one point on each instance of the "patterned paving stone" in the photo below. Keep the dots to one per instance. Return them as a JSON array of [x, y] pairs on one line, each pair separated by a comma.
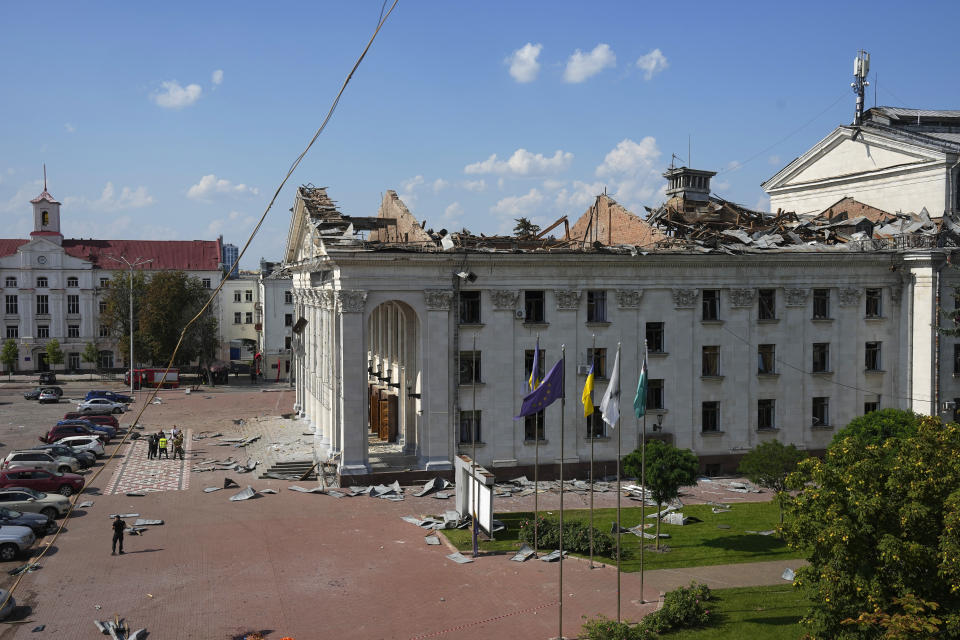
[[138, 473]]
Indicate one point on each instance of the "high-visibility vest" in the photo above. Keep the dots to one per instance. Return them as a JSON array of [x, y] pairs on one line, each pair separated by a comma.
[[163, 443]]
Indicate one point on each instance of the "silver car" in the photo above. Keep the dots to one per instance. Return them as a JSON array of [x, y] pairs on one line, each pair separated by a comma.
[[35, 459], [84, 443], [51, 505], [100, 406], [14, 540]]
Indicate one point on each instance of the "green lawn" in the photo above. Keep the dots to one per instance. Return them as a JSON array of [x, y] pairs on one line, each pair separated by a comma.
[[758, 613], [697, 544]]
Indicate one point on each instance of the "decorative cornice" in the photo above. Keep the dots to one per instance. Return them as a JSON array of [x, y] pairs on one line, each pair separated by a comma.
[[351, 300], [796, 297], [629, 298], [327, 299], [849, 296], [505, 299], [438, 299], [742, 297], [684, 298], [567, 299]]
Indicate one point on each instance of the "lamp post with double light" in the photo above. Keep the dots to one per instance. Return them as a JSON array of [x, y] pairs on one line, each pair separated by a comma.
[[131, 265]]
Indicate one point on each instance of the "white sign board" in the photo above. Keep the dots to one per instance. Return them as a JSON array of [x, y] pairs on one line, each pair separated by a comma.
[[474, 492]]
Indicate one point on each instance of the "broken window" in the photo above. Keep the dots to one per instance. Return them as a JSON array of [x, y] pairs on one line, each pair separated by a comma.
[[596, 306], [765, 414], [870, 407], [655, 342], [598, 358], [596, 427], [821, 412], [710, 365], [872, 356], [533, 427], [768, 304], [821, 304], [469, 367], [874, 299], [528, 365], [710, 416], [711, 304], [766, 358], [655, 394], [469, 427], [469, 307], [821, 357], [533, 306]]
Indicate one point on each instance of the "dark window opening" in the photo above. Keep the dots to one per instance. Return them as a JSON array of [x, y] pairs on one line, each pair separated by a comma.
[[469, 307], [765, 414], [533, 306], [596, 306], [533, 427], [711, 304], [655, 342], [469, 367], [821, 304], [710, 416], [710, 365], [768, 304]]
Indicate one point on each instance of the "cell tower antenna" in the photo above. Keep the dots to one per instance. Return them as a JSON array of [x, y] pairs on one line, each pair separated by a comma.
[[861, 68], [44, 176]]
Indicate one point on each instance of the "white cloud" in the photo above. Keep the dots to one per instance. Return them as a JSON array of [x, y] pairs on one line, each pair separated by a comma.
[[69, 127], [733, 165], [519, 205], [217, 77], [210, 185], [475, 185], [582, 66], [174, 96], [763, 204], [439, 184], [452, 215], [523, 163], [110, 200], [234, 221], [774, 160], [408, 189], [716, 187], [652, 63], [523, 62], [580, 196], [20, 201], [629, 157], [553, 185]]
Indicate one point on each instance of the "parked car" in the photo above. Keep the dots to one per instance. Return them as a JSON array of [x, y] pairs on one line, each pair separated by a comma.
[[105, 419], [37, 522], [100, 405], [31, 459], [93, 426], [65, 430], [14, 541], [11, 604], [33, 394], [109, 395], [48, 377], [66, 484], [48, 397], [85, 459], [51, 505], [84, 444]]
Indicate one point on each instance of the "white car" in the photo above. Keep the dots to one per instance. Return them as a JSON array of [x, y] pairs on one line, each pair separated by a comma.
[[35, 459], [84, 443], [14, 540], [101, 406], [51, 505]]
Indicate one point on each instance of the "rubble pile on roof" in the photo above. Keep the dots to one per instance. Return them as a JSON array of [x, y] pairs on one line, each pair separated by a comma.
[[330, 224]]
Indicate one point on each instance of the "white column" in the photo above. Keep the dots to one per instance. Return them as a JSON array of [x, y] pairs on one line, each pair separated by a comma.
[[924, 268], [436, 442], [353, 376]]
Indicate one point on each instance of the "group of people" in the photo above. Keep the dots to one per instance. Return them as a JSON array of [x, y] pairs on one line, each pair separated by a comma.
[[158, 443]]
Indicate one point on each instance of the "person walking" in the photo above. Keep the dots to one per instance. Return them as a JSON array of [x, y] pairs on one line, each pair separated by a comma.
[[118, 528], [178, 445], [162, 446]]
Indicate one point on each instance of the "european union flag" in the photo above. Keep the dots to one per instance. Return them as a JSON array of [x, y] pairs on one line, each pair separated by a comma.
[[550, 390]]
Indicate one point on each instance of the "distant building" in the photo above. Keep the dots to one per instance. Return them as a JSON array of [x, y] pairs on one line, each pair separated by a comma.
[[276, 321], [230, 255], [238, 306]]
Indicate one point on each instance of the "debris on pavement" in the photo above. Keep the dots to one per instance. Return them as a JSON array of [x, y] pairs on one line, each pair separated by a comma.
[[431, 540], [143, 522], [228, 483], [85, 504], [459, 558], [211, 489], [553, 556], [295, 487], [124, 515], [525, 553], [436, 484], [246, 494], [268, 491], [788, 574]]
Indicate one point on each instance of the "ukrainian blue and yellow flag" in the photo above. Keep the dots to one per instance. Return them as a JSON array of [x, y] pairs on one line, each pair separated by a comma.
[[587, 397]]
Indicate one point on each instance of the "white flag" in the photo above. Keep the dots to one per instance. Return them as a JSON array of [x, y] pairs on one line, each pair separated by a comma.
[[610, 405]]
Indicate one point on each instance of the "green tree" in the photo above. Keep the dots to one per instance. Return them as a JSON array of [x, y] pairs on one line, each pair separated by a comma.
[[668, 469], [881, 525], [525, 228], [90, 354], [54, 352], [10, 355], [769, 464], [171, 299], [116, 314]]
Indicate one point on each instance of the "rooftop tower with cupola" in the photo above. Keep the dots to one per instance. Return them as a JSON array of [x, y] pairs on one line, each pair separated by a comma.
[[46, 214]]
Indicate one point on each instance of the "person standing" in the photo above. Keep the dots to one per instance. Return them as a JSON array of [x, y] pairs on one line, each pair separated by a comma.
[[152, 446], [162, 446], [118, 528], [178, 445]]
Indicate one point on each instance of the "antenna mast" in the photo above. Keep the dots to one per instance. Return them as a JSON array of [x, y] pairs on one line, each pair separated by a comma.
[[861, 68]]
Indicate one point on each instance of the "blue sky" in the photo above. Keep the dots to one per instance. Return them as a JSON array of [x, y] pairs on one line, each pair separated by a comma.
[[178, 120]]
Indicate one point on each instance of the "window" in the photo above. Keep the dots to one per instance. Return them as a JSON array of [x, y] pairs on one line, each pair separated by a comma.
[[872, 357], [596, 306], [286, 342], [73, 304], [766, 358], [43, 304], [598, 358], [102, 306], [765, 414], [10, 282], [42, 282], [236, 296], [205, 282], [870, 407], [103, 331], [821, 412], [821, 304], [248, 317], [710, 361], [469, 427], [43, 331], [711, 304], [288, 297], [768, 304], [874, 300], [469, 307], [655, 342], [596, 427], [73, 360], [528, 365], [105, 282], [13, 331], [533, 427], [533, 306], [237, 317], [956, 359], [470, 367], [12, 307], [288, 319], [821, 357], [73, 282], [710, 416], [105, 360], [248, 296], [655, 394], [73, 331]]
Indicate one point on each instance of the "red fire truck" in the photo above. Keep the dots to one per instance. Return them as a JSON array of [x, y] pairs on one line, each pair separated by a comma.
[[153, 378]]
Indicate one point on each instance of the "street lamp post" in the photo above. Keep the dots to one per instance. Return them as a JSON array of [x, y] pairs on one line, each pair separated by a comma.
[[136, 263]]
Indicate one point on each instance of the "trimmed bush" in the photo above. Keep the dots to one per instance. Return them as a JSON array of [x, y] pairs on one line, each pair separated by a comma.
[[576, 537]]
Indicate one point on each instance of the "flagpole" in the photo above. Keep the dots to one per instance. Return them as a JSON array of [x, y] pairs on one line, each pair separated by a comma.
[[536, 453], [473, 437], [643, 484], [563, 405], [618, 494], [592, 434]]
